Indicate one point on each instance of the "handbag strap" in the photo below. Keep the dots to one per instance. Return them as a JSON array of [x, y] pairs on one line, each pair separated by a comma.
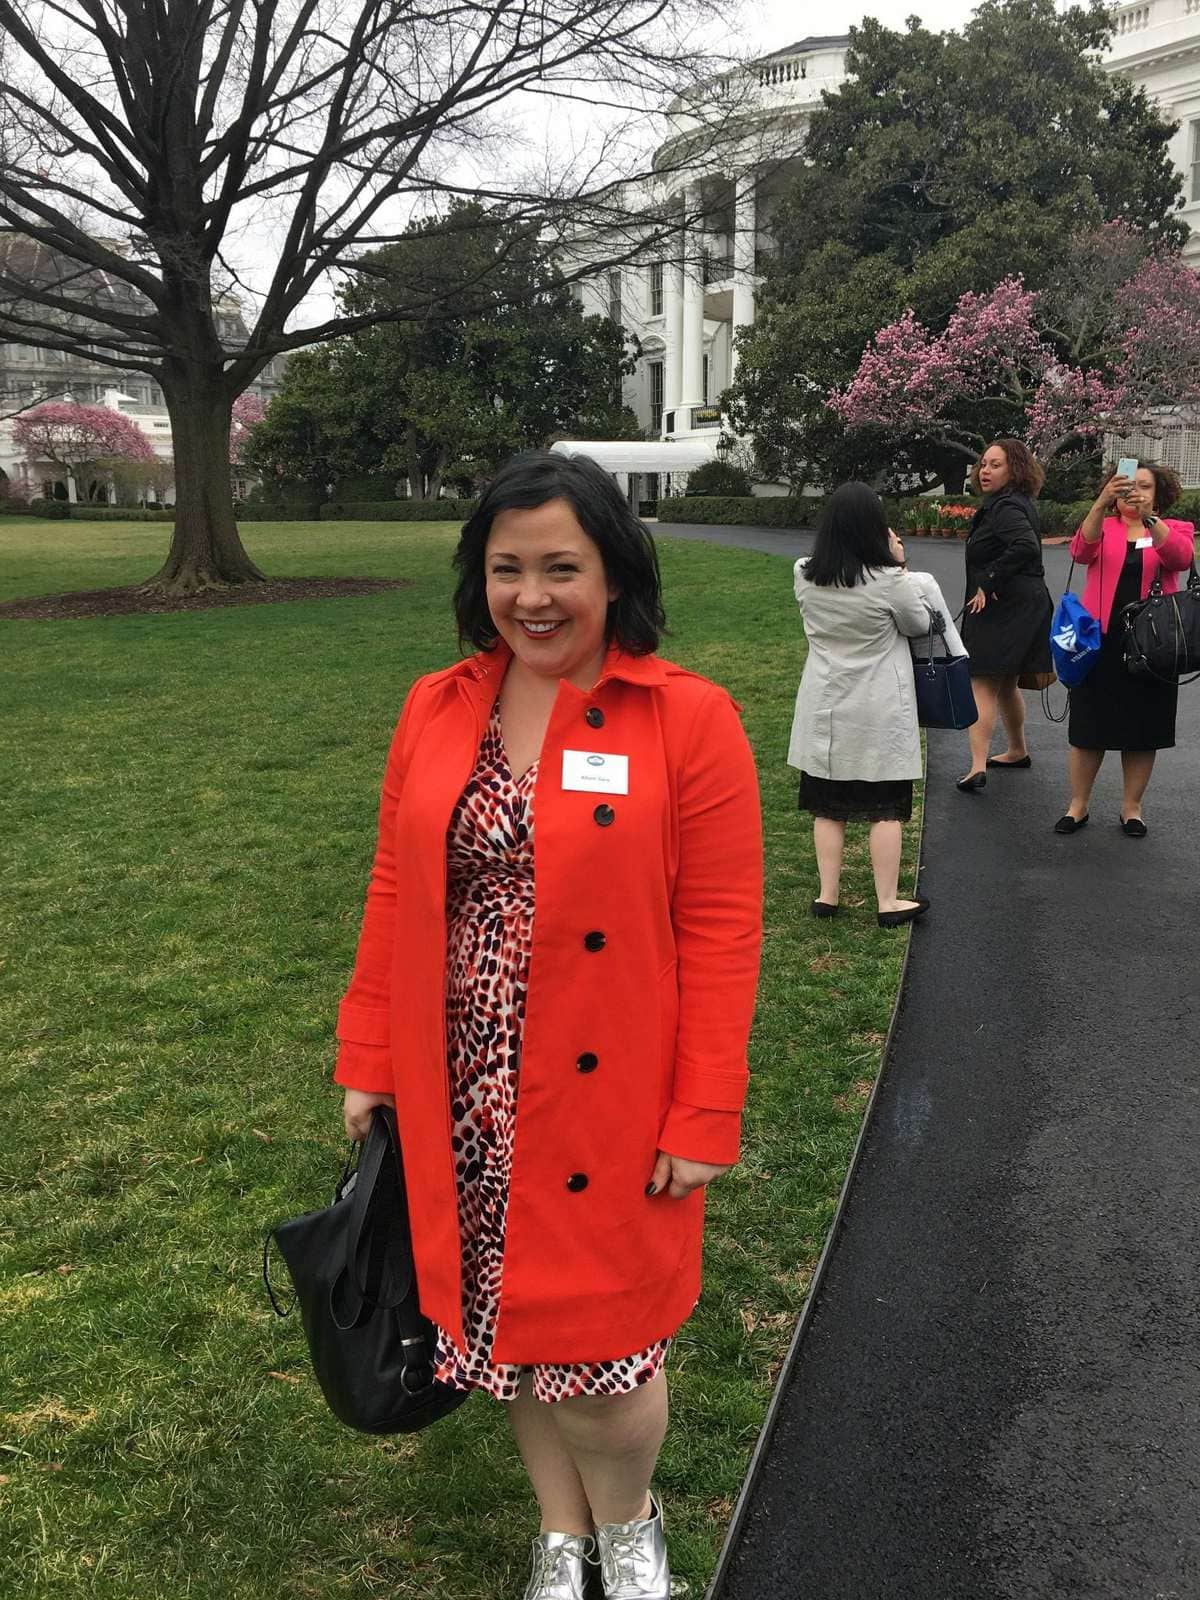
[[348, 1170], [368, 1243], [940, 631]]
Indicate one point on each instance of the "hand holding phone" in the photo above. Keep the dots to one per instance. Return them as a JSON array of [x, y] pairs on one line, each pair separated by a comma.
[[1124, 479]]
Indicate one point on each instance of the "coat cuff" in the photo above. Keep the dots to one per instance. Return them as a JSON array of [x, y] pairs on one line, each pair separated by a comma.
[[363, 1024], [710, 1088], [699, 1135], [365, 1066]]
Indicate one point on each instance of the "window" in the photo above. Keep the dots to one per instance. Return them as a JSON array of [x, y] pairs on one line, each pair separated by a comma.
[[704, 396], [656, 289], [1194, 162], [614, 298], [656, 396]]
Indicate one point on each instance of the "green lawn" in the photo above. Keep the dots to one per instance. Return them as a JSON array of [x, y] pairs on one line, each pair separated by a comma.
[[190, 809]]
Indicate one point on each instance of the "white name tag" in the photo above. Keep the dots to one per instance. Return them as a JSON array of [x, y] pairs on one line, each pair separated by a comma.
[[601, 774], [1143, 543]]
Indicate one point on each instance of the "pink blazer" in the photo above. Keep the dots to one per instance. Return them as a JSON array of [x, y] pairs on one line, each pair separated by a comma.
[[1171, 558]]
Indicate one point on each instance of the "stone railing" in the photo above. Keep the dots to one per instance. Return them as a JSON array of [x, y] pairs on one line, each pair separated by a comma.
[[788, 69], [1133, 19]]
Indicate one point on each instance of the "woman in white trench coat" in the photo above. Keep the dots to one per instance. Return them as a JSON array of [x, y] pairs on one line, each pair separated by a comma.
[[855, 738]]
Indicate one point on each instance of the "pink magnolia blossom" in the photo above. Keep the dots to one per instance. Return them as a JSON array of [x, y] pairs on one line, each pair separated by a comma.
[[248, 410], [1160, 346], [995, 347], [70, 435], [911, 380], [1071, 401]]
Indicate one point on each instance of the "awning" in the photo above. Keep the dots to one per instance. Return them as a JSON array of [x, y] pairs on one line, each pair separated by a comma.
[[642, 455]]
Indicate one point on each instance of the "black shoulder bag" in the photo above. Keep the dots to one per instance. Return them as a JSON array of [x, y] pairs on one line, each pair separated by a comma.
[[1162, 632], [352, 1268]]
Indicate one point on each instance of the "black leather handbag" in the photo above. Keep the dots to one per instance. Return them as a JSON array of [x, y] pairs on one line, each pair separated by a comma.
[[1162, 632], [352, 1268]]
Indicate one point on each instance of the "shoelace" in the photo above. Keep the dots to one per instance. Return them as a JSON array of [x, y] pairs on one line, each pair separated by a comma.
[[619, 1557], [552, 1563]]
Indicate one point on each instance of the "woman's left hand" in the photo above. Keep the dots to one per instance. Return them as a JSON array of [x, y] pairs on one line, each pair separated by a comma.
[[977, 602], [677, 1177]]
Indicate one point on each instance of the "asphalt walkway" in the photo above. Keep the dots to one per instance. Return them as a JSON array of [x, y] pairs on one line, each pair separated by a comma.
[[998, 1396]]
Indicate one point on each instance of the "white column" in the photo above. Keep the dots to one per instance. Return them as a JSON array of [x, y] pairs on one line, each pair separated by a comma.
[[745, 232], [693, 312], [673, 309]]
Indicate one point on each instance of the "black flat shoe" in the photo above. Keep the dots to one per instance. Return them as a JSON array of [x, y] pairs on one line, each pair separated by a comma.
[[1025, 761], [1134, 828], [897, 919], [822, 908], [1069, 824], [973, 784]]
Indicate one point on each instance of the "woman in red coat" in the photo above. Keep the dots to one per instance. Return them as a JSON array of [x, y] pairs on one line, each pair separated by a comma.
[[567, 1081]]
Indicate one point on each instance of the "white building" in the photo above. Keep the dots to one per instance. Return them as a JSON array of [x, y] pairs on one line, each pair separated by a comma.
[[686, 312], [30, 375]]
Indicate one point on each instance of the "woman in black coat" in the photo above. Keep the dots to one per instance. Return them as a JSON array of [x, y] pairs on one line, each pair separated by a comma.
[[1006, 627]]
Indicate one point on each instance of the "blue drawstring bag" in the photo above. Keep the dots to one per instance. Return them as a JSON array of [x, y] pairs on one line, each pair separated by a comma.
[[1074, 638]]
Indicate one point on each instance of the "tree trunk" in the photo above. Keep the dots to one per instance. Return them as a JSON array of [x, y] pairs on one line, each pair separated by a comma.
[[416, 472], [206, 550]]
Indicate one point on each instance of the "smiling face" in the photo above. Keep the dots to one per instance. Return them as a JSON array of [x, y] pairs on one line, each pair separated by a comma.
[[994, 471], [548, 592]]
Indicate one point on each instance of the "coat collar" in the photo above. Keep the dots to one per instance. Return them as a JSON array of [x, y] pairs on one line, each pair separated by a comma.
[[488, 667]]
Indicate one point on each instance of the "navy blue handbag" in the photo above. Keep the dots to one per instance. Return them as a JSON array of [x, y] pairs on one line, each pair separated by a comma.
[[945, 698]]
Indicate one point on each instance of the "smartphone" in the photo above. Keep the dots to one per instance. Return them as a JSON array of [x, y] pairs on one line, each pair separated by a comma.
[[1127, 468]]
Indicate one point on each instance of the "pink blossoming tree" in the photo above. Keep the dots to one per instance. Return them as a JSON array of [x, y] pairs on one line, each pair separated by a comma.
[[1115, 341], [80, 440], [248, 411]]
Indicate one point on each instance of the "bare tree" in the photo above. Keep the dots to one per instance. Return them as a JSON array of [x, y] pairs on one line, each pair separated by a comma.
[[158, 155]]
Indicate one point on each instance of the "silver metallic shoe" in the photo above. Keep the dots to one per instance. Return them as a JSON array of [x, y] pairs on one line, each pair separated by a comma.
[[559, 1567], [633, 1559]]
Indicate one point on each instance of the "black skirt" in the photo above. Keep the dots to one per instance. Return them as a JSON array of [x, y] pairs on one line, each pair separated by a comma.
[[1111, 709], [1011, 635], [848, 799]]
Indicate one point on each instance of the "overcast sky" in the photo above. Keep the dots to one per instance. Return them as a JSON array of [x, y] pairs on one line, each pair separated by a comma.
[[770, 24]]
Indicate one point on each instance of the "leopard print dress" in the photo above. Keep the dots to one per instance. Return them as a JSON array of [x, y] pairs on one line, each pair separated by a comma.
[[490, 905]]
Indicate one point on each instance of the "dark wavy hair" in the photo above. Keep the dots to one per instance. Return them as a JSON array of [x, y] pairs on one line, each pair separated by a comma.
[[1167, 487], [1026, 473], [635, 618], [852, 536]]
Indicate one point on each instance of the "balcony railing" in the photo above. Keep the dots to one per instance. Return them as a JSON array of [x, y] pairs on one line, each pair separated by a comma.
[[706, 417]]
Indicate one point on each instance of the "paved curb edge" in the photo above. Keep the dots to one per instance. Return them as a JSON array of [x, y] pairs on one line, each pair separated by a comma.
[[737, 1521]]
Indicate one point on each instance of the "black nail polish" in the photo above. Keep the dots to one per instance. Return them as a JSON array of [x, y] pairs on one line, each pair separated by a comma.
[[651, 1188]]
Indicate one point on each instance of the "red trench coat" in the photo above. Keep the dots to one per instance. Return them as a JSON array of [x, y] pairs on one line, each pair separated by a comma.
[[674, 885]]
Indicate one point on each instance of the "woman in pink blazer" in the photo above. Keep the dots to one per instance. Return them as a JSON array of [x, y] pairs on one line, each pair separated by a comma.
[[1125, 542]]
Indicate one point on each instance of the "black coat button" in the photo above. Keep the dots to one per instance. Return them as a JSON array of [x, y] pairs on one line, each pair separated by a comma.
[[594, 941], [588, 1061], [577, 1181], [594, 717], [605, 816]]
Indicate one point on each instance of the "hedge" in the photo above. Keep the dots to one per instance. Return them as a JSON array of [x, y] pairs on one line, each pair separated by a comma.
[[398, 510], [250, 512], [780, 511], [372, 487], [1058, 518]]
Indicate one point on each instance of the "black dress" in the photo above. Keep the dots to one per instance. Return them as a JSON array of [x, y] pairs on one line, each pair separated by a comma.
[[851, 799], [1011, 634], [1111, 709]]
